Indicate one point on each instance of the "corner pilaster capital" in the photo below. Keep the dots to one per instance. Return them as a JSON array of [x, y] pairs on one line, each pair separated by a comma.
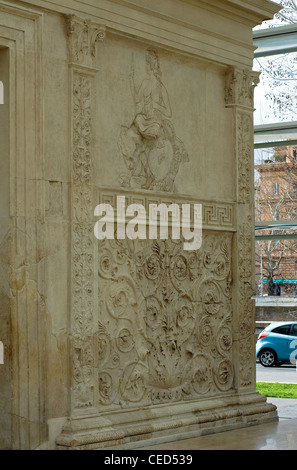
[[239, 87], [83, 36]]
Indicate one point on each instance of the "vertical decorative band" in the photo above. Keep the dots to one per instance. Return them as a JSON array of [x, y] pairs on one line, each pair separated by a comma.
[[245, 304], [83, 36], [239, 95], [82, 246]]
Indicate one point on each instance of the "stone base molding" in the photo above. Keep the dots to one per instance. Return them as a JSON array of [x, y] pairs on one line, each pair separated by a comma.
[[165, 423]]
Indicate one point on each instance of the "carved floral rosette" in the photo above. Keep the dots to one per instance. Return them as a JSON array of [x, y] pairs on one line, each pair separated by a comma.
[[164, 326]]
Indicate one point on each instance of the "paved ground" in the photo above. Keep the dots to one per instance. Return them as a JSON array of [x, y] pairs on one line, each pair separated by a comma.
[[286, 407], [281, 435], [285, 373]]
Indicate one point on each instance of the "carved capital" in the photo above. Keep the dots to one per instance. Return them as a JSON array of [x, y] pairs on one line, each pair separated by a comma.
[[83, 36], [240, 84]]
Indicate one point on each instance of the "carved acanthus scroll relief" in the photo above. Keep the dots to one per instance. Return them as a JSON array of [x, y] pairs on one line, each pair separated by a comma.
[[83, 36], [240, 95], [164, 321]]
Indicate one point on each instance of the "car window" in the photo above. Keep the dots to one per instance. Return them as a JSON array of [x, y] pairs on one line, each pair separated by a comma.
[[283, 329], [294, 330]]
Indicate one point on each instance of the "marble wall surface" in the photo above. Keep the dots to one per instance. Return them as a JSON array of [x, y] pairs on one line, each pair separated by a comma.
[[114, 342]]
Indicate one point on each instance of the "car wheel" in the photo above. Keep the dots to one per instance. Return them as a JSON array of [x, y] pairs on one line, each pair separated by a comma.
[[268, 358]]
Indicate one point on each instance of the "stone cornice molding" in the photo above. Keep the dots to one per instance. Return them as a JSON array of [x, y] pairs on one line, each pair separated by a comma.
[[190, 27], [276, 167], [251, 12]]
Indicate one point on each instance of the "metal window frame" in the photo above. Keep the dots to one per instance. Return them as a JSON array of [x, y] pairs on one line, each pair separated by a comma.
[[264, 133], [279, 225], [268, 42], [274, 41]]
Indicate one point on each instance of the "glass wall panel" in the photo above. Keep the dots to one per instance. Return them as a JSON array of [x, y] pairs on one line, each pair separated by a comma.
[[278, 40], [275, 134], [276, 94], [275, 156], [276, 221]]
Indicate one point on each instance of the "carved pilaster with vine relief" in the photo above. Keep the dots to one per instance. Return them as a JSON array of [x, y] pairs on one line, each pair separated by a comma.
[[239, 93], [246, 317], [83, 37]]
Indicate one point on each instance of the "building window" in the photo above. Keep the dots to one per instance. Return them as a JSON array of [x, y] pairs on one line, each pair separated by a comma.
[[275, 189]]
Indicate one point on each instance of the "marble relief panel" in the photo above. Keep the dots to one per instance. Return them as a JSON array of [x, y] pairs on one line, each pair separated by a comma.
[[164, 321], [152, 129], [149, 146]]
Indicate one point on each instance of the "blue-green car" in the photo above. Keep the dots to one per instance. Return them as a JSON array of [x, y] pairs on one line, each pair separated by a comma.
[[277, 344]]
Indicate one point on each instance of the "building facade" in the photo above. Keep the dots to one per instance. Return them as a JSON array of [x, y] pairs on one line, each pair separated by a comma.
[[276, 202]]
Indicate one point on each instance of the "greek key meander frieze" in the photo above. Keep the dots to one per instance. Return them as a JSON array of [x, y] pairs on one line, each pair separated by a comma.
[[164, 321], [214, 214]]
